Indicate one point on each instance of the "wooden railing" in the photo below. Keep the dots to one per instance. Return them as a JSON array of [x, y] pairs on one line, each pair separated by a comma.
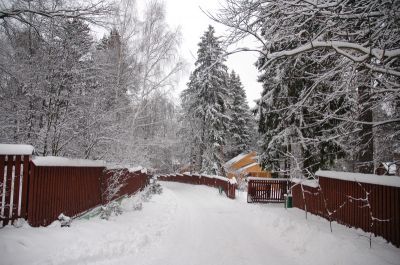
[[227, 185]]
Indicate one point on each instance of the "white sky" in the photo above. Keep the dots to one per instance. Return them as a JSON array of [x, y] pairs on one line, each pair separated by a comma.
[[193, 23]]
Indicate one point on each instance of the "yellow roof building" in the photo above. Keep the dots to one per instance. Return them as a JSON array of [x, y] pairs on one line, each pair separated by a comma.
[[245, 164]]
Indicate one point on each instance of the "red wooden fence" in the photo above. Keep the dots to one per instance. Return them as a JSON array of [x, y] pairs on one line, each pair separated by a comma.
[[267, 189], [56, 189], [227, 185], [371, 207], [40, 193]]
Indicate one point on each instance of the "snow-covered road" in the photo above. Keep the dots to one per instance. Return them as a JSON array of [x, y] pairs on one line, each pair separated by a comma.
[[195, 225]]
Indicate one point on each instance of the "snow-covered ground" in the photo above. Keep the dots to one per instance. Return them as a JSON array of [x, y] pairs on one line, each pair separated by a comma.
[[195, 225]]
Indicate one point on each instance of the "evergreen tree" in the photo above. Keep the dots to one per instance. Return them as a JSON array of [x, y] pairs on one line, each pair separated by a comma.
[[206, 103], [241, 126]]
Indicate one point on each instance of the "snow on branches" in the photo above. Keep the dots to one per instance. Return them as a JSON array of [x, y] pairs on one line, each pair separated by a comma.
[[329, 69]]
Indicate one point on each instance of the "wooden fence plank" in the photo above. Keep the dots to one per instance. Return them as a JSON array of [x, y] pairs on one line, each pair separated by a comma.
[[25, 187]]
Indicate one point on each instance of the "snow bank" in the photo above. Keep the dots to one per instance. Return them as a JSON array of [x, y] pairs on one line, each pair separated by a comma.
[[313, 183], [52, 161], [168, 227], [16, 149], [392, 181]]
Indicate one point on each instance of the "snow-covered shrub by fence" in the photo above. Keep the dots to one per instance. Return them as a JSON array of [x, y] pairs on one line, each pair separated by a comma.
[[118, 182], [228, 185], [364, 201]]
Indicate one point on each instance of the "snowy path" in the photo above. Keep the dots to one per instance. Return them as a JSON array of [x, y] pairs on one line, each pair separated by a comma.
[[195, 225]]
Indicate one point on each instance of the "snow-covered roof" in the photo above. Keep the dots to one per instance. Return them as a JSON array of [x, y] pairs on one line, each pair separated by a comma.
[[16, 149], [384, 180], [246, 167], [390, 167], [66, 162], [235, 159]]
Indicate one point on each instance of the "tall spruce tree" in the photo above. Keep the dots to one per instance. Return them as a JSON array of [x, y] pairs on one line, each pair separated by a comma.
[[242, 123], [206, 103]]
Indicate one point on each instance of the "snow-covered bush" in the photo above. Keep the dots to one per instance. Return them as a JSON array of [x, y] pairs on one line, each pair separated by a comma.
[[114, 184], [153, 188], [112, 208], [65, 220]]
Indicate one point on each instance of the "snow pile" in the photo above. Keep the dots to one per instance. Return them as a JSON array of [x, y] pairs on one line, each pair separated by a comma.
[[16, 149], [384, 180], [53, 161]]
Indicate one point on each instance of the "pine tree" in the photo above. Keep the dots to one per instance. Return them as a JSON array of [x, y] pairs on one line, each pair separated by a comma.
[[241, 126], [206, 103]]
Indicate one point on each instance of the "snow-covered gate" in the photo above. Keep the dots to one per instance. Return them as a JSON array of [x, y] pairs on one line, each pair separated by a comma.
[[14, 170], [356, 200], [267, 189]]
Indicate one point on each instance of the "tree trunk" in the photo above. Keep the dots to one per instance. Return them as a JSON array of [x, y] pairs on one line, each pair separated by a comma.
[[366, 151]]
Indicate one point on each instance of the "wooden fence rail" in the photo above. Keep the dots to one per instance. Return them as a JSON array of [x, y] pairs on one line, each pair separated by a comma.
[[227, 185], [373, 208], [40, 193]]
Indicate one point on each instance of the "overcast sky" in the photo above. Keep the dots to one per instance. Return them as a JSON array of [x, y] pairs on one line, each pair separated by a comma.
[[193, 23]]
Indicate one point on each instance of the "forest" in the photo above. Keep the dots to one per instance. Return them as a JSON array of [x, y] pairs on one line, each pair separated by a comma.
[[96, 80]]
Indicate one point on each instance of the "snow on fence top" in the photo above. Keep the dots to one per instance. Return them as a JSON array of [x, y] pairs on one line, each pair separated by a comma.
[[16, 149], [268, 179], [231, 181], [384, 180], [313, 183], [53, 161], [130, 169]]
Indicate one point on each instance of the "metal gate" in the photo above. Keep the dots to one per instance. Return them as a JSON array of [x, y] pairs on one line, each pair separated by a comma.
[[267, 189]]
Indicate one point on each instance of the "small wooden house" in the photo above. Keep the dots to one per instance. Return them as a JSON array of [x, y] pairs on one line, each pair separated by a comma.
[[245, 164]]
